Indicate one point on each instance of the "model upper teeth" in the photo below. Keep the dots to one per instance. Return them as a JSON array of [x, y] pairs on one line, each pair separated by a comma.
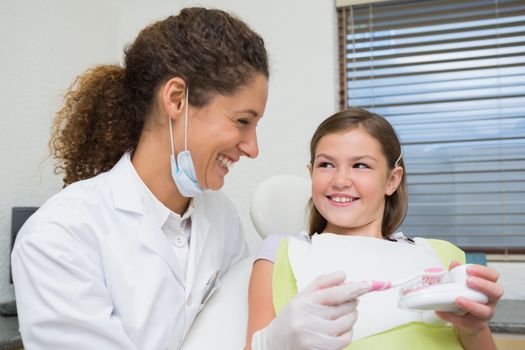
[[225, 162], [342, 199]]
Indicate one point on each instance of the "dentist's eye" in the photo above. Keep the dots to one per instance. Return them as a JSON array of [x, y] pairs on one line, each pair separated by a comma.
[[361, 166], [243, 121]]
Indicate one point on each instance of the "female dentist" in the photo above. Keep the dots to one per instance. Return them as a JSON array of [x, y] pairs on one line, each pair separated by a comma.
[[130, 251]]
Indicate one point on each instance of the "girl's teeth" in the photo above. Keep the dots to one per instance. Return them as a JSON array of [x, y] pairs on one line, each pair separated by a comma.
[[341, 199]]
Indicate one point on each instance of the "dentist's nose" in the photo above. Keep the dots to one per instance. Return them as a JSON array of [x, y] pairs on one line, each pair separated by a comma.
[[249, 146]]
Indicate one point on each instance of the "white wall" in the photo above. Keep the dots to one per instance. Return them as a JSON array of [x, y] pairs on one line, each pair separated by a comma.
[[45, 44]]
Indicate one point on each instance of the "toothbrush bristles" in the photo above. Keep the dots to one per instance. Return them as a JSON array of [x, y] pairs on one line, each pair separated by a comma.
[[427, 278]]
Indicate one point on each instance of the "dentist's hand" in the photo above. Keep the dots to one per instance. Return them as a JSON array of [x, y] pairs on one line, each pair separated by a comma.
[[319, 317]]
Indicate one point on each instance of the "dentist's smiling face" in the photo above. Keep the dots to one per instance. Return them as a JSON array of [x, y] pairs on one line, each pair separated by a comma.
[[350, 179], [224, 130]]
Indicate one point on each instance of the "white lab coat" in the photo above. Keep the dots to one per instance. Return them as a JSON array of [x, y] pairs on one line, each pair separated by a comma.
[[93, 270]]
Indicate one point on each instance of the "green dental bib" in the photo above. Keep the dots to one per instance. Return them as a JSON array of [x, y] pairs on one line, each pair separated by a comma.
[[413, 335]]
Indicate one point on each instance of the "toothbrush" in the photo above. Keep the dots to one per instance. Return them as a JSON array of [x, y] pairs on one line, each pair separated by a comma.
[[429, 276]]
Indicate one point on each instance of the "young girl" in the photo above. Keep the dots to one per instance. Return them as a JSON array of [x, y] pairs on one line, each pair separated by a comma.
[[358, 200]]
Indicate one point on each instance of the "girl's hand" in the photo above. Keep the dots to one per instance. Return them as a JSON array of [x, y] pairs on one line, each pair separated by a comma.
[[477, 315]]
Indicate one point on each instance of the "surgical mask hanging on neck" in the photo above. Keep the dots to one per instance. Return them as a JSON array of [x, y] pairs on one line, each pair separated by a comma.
[[183, 170]]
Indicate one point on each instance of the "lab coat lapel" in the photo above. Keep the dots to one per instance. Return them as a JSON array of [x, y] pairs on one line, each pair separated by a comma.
[[154, 239], [127, 197], [200, 228]]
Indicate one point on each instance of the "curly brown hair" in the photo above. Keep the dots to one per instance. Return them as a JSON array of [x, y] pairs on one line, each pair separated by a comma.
[[105, 108], [396, 205]]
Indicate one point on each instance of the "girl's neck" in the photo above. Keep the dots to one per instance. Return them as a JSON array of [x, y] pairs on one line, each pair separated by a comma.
[[370, 230]]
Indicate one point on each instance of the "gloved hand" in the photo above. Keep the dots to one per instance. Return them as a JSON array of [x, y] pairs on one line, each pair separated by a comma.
[[319, 317]]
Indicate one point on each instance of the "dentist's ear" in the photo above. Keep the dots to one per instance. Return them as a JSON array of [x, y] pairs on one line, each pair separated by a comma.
[[173, 95], [394, 180]]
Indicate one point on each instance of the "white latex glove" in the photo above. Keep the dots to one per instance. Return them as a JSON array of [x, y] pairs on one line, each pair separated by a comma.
[[319, 317]]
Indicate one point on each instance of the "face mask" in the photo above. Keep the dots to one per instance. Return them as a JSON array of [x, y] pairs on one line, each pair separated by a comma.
[[183, 170]]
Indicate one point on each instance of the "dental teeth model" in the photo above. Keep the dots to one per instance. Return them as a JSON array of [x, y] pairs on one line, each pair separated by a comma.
[[433, 289], [441, 296]]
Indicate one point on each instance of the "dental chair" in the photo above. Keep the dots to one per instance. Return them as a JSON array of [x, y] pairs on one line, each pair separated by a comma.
[[278, 206]]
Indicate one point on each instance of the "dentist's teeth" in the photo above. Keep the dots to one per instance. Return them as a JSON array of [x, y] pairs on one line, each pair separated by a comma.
[[224, 162]]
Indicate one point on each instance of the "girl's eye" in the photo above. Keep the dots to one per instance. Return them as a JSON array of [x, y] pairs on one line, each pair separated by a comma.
[[361, 166], [325, 165], [243, 121]]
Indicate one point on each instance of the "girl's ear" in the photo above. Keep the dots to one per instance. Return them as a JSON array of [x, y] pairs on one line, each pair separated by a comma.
[[394, 180], [309, 167], [173, 94]]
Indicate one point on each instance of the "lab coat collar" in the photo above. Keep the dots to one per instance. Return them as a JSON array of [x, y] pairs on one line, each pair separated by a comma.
[[126, 195]]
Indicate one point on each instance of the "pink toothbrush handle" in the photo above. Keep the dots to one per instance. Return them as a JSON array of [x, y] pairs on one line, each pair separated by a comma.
[[380, 285]]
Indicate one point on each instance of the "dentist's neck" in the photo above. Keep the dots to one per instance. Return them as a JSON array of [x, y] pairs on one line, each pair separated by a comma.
[[151, 160]]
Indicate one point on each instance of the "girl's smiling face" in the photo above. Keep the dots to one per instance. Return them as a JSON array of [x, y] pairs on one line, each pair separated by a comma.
[[350, 180]]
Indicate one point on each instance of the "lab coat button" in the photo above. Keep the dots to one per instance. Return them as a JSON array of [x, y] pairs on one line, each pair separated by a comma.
[[188, 301], [179, 240]]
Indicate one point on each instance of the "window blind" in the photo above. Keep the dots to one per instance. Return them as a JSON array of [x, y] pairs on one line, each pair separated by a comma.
[[450, 76]]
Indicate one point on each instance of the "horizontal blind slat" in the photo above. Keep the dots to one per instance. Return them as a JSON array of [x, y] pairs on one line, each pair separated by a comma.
[[450, 77]]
